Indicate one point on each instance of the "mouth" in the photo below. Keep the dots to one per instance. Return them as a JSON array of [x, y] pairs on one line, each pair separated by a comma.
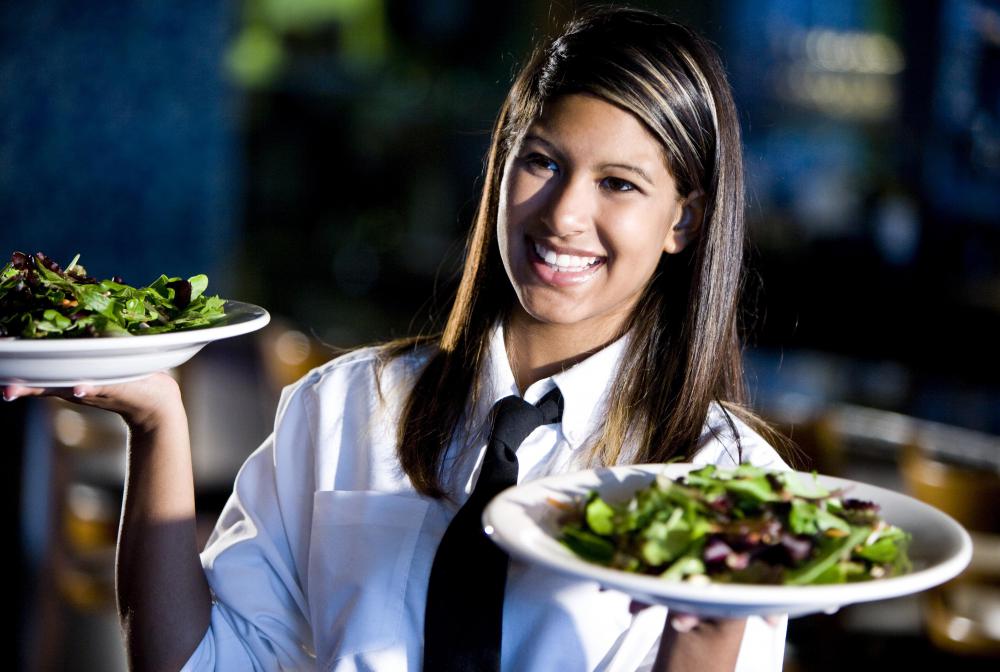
[[562, 267], [563, 262]]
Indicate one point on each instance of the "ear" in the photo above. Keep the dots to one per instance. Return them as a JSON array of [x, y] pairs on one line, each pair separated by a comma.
[[687, 224]]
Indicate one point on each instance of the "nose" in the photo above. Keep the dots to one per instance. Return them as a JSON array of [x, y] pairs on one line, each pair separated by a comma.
[[568, 208]]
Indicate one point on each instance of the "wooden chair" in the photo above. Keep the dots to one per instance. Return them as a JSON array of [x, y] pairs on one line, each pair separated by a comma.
[[962, 616]]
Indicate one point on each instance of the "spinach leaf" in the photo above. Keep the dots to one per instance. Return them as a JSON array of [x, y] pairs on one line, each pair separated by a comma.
[[40, 300]]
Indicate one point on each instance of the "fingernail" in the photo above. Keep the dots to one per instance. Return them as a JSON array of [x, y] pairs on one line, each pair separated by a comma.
[[9, 396], [79, 392], [684, 622]]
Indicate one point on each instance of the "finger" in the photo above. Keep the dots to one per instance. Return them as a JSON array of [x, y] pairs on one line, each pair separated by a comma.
[[774, 619], [684, 622], [140, 398], [117, 398], [80, 391], [111, 397], [12, 392]]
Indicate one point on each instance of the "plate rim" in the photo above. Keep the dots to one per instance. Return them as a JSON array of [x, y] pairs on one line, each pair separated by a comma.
[[717, 596]]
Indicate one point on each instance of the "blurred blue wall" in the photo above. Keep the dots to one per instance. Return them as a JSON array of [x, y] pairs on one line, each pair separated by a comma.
[[117, 135]]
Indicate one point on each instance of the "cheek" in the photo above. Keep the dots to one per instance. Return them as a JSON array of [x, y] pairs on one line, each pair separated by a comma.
[[509, 235], [635, 250], [523, 193], [506, 226], [504, 215], [515, 211], [636, 235], [640, 262]]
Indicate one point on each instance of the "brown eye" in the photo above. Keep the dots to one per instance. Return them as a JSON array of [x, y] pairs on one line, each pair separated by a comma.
[[541, 162], [617, 184]]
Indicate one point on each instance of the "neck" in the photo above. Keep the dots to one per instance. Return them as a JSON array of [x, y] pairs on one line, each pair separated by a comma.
[[538, 350]]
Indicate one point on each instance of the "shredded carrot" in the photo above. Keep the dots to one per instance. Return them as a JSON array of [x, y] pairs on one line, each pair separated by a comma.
[[562, 505]]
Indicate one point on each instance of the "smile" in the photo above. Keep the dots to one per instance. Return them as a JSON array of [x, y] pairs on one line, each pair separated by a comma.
[[565, 263]]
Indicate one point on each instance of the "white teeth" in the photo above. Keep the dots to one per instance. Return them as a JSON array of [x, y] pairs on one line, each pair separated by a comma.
[[563, 262]]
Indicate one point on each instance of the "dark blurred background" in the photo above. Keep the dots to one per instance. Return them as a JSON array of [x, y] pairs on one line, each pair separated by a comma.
[[322, 158]]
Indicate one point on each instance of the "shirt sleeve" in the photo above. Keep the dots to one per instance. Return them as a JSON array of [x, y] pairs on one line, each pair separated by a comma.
[[253, 559]]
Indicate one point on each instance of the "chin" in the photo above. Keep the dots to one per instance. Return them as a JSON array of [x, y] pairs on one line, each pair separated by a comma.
[[553, 315]]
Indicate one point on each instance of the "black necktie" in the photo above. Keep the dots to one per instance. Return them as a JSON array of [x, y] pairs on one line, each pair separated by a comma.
[[464, 615]]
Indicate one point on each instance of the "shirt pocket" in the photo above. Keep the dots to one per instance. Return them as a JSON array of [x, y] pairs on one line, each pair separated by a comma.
[[359, 566]]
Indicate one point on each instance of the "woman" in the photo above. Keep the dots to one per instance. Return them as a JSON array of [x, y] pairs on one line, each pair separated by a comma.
[[604, 262]]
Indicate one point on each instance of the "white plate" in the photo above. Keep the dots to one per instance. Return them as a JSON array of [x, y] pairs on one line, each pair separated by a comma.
[[71, 361], [524, 522]]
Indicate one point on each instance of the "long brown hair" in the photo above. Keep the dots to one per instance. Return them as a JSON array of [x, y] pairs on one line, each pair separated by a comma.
[[684, 351]]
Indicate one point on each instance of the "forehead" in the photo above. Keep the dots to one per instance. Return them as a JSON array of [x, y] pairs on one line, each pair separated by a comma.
[[585, 125]]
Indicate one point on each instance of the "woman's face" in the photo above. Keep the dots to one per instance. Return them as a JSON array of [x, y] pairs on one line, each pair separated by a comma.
[[587, 208]]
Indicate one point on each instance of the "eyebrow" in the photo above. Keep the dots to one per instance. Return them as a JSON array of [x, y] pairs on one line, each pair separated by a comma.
[[604, 166], [633, 169], [535, 138]]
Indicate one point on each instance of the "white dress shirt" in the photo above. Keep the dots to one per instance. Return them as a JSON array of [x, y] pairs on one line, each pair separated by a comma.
[[321, 557]]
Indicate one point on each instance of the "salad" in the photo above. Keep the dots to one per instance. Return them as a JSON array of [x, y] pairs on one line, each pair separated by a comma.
[[39, 299], [742, 525]]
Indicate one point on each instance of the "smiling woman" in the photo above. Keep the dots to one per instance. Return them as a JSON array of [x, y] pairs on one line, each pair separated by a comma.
[[588, 208], [609, 232], [625, 120]]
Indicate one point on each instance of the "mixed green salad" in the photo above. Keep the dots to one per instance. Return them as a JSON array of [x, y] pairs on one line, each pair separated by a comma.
[[742, 525], [39, 299]]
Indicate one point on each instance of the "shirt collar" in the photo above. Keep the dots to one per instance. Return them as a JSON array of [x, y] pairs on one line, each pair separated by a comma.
[[584, 386]]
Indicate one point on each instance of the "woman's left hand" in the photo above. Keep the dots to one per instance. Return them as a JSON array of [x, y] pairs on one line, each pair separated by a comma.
[[682, 622], [694, 644]]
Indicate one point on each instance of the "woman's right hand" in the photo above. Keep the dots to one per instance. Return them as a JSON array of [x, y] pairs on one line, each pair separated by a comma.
[[145, 404], [163, 598]]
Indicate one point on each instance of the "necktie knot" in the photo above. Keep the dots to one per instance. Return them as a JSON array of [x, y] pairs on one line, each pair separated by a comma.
[[515, 418]]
